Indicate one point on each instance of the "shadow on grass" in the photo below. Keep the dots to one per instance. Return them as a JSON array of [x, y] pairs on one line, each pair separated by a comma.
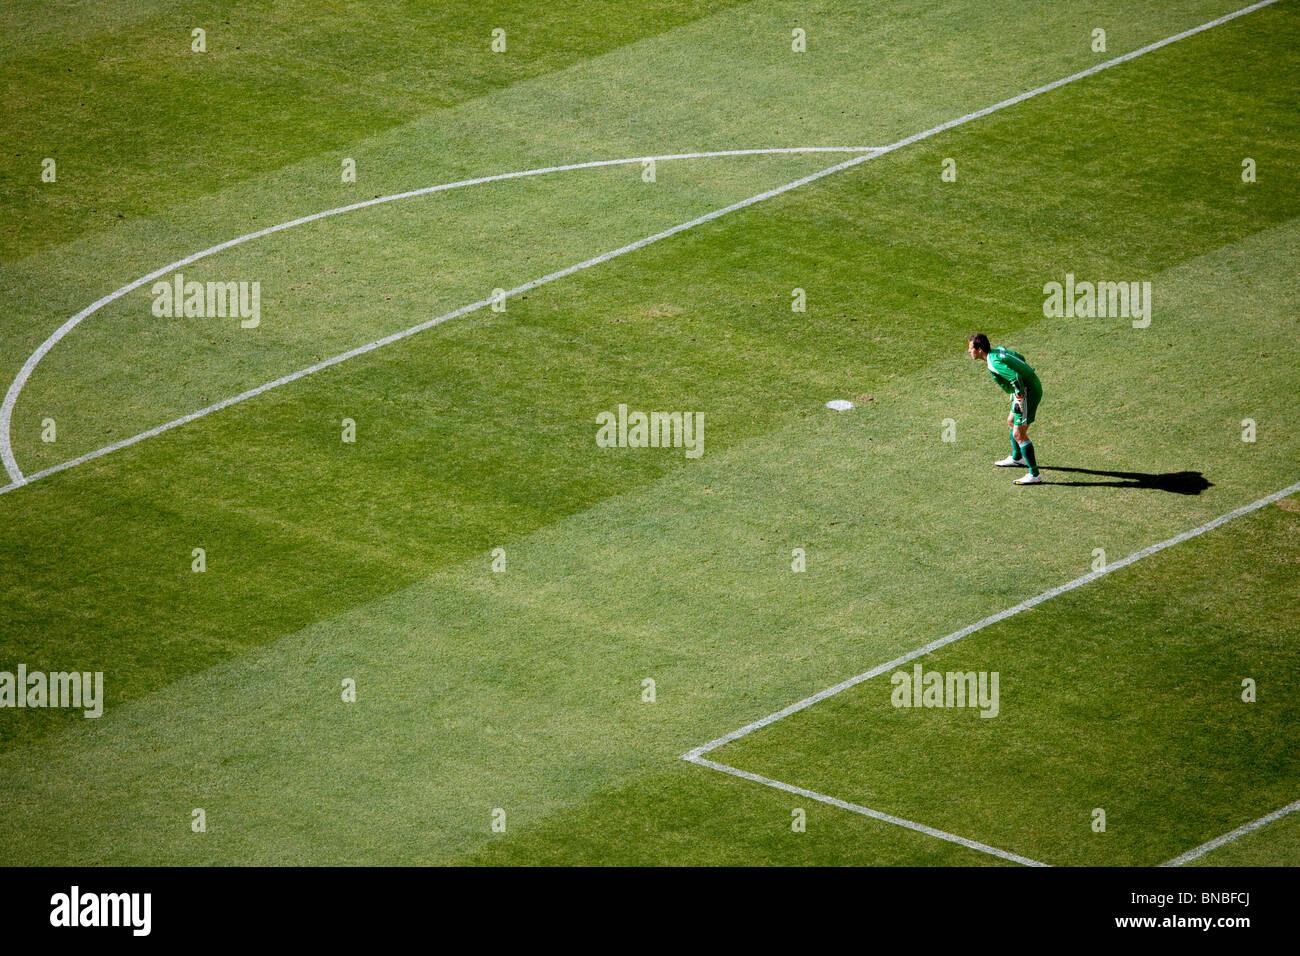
[[1177, 482]]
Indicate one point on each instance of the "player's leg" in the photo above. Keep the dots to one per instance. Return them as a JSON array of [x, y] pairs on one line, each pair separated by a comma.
[[1014, 458], [1020, 435]]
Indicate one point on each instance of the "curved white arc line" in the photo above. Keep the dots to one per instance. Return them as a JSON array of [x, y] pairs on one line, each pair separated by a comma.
[[16, 387]]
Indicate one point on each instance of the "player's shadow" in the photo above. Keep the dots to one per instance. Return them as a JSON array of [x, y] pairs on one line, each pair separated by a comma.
[[1177, 482]]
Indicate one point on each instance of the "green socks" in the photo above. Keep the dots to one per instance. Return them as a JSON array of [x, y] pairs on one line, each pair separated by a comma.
[[1024, 454], [1027, 453]]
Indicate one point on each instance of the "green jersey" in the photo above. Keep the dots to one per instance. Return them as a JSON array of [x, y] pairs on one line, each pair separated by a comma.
[[1012, 373]]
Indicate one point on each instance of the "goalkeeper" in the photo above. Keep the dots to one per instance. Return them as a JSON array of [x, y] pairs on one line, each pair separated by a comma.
[[1014, 376]]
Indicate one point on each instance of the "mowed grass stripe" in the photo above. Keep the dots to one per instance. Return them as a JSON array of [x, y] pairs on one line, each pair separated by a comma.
[[278, 82]]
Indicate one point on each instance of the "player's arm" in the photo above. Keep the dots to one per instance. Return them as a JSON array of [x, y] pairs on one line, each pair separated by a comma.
[[1006, 375], [1010, 379]]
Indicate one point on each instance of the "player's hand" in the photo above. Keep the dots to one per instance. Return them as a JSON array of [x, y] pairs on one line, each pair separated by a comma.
[[1017, 405]]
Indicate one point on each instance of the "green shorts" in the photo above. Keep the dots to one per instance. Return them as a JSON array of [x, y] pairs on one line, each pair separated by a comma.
[[1029, 408]]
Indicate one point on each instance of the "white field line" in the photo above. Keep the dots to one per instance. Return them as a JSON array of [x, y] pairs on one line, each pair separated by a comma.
[[696, 756], [969, 629], [867, 812], [11, 397], [6, 412], [1217, 842]]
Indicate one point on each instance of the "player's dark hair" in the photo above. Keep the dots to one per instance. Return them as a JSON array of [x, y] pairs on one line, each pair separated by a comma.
[[981, 342]]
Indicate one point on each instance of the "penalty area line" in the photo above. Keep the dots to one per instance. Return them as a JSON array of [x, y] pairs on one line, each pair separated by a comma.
[[866, 812], [1228, 837], [696, 756], [985, 622]]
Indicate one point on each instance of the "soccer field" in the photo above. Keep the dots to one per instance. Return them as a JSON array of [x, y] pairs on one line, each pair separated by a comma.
[[366, 584]]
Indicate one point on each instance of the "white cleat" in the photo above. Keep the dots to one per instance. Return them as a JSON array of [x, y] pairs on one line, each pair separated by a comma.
[[1010, 462], [1029, 480]]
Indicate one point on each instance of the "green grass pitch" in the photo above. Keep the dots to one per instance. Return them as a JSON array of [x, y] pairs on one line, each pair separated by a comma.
[[497, 587]]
